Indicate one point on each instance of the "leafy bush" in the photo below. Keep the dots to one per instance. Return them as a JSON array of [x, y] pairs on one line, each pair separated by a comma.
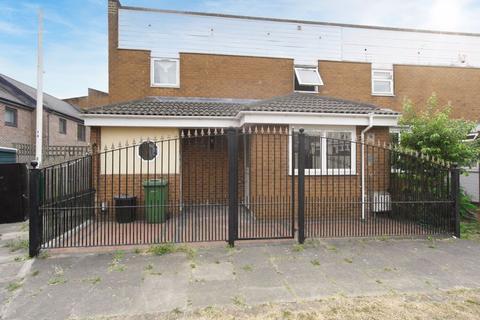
[[432, 132]]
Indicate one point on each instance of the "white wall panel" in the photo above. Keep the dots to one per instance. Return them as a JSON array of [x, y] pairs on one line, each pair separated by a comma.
[[167, 34]]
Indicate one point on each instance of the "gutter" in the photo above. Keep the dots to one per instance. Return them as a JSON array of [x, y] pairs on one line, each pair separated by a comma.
[[362, 138]]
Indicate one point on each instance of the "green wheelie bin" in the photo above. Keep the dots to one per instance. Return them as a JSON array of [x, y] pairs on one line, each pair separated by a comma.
[[156, 200]]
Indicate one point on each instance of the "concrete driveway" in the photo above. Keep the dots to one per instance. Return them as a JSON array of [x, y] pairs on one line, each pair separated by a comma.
[[135, 282]]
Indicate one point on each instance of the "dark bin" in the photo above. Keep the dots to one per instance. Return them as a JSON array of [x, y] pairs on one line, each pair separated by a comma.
[[125, 208]]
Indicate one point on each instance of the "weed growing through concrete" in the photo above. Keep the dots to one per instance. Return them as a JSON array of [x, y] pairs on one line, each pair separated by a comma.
[[247, 267], [21, 258], [43, 255], [12, 286], [35, 273], [177, 311], [93, 281], [238, 301], [332, 248], [58, 277], [315, 262], [347, 260], [163, 249], [137, 250], [378, 281], [297, 247], [17, 244], [115, 265], [148, 267]]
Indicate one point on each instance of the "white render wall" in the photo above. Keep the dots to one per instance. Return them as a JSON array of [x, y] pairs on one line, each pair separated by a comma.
[[167, 34]]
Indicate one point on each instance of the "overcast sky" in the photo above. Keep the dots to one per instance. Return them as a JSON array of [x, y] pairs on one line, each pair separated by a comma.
[[75, 37]]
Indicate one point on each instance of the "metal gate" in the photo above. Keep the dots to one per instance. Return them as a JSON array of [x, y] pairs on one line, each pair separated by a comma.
[[259, 182]]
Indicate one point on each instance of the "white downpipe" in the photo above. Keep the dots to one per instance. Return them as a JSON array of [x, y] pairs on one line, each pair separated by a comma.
[[362, 137]]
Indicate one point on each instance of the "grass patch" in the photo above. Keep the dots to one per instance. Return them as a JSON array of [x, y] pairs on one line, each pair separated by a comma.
[[12, 286], [470, 230], [35, 273], [17, 244], [163, 249]]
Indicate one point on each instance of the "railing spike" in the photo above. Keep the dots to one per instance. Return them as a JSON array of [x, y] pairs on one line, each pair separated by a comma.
[[261, 130], [202, 133], [134, 142], [274, 130], [105, 148], [249, 129], [256, 129]]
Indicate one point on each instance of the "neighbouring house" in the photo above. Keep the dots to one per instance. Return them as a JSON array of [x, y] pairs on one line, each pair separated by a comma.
[[64, 131]]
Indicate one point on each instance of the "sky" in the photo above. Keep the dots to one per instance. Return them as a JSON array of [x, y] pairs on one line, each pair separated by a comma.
[[75, 31]]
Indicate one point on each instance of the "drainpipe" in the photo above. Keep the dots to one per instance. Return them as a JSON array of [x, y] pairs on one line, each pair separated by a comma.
[[362, 137]]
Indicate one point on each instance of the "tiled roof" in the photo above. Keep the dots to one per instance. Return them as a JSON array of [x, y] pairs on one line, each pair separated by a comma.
[[313, 103], [205, 107], [19, 92]]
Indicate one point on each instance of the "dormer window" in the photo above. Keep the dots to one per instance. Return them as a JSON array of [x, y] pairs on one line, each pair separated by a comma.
[[307, 79], [165, 72]]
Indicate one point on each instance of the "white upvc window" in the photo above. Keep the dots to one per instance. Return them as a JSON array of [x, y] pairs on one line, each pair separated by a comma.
[[382, 82], [165, 72], [329, 151], [307, 79]]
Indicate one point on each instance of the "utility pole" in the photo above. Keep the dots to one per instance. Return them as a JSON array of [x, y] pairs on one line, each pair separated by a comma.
[[39, 110]]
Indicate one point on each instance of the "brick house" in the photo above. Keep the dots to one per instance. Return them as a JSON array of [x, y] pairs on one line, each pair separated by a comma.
[[63, 125], [179, 74]]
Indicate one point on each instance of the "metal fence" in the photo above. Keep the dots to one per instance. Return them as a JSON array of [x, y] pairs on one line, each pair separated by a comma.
[[254, 183]]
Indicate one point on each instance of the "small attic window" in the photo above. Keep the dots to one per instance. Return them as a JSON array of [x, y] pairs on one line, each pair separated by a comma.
[[307, 79]]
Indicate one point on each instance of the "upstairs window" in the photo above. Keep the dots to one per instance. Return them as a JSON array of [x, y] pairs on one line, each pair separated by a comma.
[[62, 126], [165, 72], [307, 79], [81, 132], [11, 117], [382, 82]]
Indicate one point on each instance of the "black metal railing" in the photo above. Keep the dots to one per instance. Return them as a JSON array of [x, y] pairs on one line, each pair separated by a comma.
[[258, 182]]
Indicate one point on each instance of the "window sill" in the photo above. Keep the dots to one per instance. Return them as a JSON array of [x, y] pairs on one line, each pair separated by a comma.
[[9, 124], [172, 86], [383, 94], [305, 91]]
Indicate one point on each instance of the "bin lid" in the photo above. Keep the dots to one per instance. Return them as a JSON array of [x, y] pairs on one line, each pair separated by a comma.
[[155, 183]]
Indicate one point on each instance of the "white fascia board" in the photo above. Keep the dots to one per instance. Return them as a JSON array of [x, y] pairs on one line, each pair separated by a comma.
[[300, 118], [154, 121], [244, 117]]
